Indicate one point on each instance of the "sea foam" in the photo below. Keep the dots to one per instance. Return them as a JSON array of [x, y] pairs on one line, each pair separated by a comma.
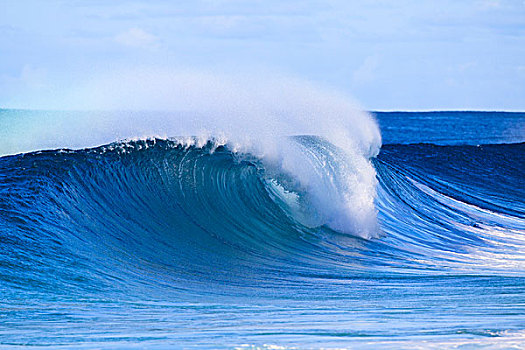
[[254, 115]]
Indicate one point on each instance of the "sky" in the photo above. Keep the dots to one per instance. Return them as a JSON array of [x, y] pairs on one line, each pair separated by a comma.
[[388, 55]]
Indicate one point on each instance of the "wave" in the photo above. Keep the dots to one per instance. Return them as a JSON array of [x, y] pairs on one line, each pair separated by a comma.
[[175, 215], [263, 118]]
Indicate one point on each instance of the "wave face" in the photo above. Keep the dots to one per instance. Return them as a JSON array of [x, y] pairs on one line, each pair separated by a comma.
[[163, 242]]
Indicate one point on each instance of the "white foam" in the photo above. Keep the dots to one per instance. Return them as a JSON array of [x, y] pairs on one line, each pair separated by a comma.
[[249, 114]]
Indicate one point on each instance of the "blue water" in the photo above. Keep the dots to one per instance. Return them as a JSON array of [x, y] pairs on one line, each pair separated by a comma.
[[156, 244]]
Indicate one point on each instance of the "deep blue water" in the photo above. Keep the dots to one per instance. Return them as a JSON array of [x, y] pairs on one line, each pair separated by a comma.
[[154, 244]]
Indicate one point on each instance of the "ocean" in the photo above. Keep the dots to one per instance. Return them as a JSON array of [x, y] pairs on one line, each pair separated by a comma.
[[407, 230]]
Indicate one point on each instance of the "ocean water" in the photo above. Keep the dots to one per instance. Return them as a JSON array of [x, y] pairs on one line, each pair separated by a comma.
[[316, 240]]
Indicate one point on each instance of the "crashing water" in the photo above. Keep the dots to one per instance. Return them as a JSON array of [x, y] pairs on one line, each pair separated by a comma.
[[310, 241]]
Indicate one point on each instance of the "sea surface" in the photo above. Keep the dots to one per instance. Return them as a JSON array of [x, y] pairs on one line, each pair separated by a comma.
[[174, 243]]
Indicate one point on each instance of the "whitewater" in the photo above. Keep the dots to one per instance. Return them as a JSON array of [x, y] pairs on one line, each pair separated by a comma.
[[271, 214]]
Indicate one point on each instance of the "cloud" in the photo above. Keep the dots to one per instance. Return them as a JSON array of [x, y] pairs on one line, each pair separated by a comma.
[[466, 66], [489, 4], [33, 77], [366, 72], [136, 37]]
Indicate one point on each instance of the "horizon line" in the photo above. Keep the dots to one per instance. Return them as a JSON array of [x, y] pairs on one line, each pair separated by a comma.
[[189, 111]]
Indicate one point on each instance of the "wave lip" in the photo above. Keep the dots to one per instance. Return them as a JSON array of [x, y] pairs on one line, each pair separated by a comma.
[[334, 187]]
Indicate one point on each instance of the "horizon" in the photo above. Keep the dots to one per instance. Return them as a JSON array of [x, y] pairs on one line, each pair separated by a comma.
[[186, 111]]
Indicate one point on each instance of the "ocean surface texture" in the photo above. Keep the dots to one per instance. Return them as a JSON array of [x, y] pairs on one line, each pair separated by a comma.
[[171, 243]]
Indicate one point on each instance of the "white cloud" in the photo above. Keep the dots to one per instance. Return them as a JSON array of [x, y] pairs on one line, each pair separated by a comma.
[[466, 66], [136, 37], [366, 72], [32, 77], [490, 4]]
